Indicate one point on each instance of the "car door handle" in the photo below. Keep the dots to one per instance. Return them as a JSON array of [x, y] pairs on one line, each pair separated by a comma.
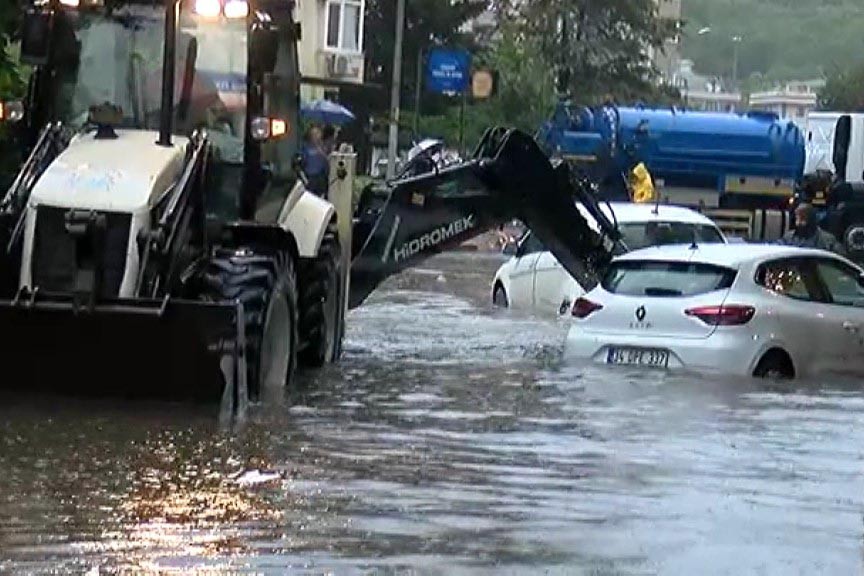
[[851, 327]]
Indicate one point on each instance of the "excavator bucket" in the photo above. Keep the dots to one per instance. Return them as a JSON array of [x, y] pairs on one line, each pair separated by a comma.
[[128, 349]]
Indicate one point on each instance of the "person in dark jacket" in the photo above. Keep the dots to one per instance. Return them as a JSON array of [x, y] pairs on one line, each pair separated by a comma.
[[807, 233]]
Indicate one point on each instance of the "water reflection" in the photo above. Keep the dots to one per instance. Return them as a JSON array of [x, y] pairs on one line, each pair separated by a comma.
[[452, 439]]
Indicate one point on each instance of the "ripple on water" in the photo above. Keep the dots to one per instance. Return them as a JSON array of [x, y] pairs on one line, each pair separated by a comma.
[[451, 440]]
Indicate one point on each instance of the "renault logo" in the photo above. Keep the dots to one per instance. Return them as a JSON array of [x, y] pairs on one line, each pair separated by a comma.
[[640, 313]]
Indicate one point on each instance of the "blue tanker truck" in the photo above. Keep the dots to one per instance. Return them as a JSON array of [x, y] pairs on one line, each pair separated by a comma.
[[740, 169]]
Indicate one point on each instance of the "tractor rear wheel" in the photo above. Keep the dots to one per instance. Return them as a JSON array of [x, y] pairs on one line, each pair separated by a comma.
[[321, 315], [265, 284]]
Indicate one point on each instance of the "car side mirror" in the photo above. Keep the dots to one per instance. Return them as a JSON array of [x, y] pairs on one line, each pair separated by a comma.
[[511, 248], [36, 32], [861, 280], [264, 50]]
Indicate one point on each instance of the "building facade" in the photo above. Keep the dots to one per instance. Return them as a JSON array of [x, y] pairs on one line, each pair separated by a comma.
[[331, 45], [790, 102]]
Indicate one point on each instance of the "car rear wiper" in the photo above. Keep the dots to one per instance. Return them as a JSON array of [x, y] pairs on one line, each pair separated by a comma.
[[663, 292]]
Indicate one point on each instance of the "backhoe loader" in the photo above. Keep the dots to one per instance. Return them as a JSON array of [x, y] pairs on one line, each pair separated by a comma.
[[159, 240]]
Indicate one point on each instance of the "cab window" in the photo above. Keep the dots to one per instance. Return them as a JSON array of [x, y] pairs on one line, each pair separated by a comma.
[[794, 279], [842, 283], [282, 102]]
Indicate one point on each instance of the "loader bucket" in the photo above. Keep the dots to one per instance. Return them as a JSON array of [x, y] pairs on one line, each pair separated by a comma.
[[171, 350]]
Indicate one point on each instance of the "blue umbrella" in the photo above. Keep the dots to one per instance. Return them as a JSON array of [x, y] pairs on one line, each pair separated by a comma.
[[326, 112]]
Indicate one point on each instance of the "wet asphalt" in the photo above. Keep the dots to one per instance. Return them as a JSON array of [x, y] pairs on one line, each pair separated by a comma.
[[452, 439]]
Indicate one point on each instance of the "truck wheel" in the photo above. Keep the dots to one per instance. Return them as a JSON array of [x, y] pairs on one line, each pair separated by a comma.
[[853, 239], [321, 317], [266, 285]]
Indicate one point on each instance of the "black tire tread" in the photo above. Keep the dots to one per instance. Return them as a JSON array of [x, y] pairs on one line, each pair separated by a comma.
[[250, 278], [316, 276]]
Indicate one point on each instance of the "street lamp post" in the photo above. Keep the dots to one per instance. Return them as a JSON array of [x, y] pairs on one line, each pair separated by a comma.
[[736, 40], [393, 142]]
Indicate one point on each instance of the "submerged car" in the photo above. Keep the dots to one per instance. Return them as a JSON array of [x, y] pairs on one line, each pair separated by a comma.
[[754, 310], [534, 279]]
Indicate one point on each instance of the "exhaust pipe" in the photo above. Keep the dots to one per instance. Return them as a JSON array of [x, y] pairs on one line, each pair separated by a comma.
[[169, 56]]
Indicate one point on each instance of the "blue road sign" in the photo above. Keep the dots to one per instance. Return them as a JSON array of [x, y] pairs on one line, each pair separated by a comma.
[[448, 71]]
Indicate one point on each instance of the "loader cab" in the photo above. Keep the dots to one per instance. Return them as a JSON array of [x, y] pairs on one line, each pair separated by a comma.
[[236, 76]]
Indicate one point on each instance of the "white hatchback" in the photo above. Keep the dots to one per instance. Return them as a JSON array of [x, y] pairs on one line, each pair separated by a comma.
[[755, 310], [534, 279]]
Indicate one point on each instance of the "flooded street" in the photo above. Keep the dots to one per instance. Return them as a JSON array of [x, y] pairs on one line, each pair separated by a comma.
[[452, 439]]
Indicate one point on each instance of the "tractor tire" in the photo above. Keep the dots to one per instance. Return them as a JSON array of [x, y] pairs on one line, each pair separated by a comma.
[[266, 285], [322, 323]]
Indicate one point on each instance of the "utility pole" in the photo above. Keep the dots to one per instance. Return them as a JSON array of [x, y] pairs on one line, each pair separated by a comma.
[[394, 95], [736, 40], [418, 90]]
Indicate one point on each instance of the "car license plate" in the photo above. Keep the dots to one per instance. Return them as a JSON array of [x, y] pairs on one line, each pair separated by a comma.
[[638, 357]]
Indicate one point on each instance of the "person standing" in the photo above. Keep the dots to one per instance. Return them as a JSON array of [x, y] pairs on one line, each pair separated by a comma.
[[328, 135], [807, 233], [315, 162]]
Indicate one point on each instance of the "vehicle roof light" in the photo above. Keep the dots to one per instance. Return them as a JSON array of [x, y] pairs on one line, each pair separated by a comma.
[[207, 8], [236, 9]]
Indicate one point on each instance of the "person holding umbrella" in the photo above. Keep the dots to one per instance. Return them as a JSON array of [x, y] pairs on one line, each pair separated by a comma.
[[315, 162]]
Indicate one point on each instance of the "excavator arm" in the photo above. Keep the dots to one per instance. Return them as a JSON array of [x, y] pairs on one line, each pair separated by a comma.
[[508, 177]]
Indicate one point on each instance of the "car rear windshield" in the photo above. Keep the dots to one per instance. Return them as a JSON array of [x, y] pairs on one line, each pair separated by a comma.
[[666, 279], [644, 234]]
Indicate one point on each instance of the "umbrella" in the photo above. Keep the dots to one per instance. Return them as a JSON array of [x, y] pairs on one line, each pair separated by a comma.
[[326, 112]]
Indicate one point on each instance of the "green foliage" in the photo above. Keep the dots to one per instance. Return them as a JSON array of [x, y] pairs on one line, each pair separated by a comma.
[[526, 52], [781, 39], [524, 98], [603, 45], [10, 78], [426, 22], [844, 90], [11, 86]]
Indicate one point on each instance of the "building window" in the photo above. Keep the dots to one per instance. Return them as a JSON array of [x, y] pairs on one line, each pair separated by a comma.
[[344, 26]]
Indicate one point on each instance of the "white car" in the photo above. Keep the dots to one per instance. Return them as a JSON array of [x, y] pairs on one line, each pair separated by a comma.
[[534, 279], [755, 310]]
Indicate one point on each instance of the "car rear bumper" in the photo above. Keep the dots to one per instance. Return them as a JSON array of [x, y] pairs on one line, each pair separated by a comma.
[[722, 352]]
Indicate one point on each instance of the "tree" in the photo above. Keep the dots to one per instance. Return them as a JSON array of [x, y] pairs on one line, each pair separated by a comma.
[[844, 90], [781, 39], [426, 22], [525, 92], [601, 47], [10, 79]]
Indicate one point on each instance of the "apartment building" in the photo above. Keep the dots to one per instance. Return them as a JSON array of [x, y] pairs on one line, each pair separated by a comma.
[[791, 102], [331, 47]]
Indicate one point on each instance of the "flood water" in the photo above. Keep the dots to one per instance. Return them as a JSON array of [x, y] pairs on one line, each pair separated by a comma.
[[452, 439]]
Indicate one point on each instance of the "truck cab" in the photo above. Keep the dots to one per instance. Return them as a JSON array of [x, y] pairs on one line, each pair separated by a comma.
[[834, 175]]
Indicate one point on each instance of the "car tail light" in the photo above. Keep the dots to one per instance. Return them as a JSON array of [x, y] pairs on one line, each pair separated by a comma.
[[583, 308], [727, 315]]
